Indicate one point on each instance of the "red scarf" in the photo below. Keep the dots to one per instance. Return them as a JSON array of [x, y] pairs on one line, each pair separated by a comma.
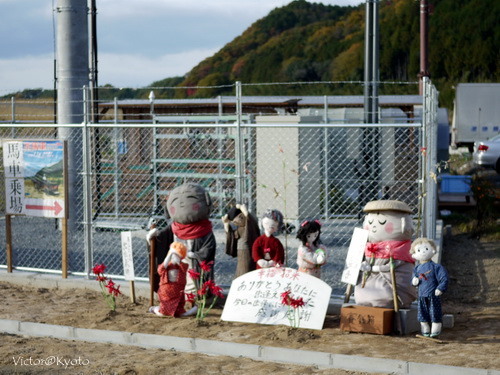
[[399, 250], [192, 231]]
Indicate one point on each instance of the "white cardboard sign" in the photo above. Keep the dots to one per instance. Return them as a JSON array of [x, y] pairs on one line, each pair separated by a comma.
[[127, 256], [355, 256], [255, 297]]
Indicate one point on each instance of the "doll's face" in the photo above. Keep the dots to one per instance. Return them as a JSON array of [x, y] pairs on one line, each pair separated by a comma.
[[239, 220], [423, 251], [188, 204], [311, 237], [387, 225], [270, 226]]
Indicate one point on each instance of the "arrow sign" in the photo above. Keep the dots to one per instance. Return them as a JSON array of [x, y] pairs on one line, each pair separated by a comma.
[[56, 207]]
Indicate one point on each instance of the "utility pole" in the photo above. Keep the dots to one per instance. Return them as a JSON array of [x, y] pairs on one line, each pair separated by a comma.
[[72, 75], [424, 44]]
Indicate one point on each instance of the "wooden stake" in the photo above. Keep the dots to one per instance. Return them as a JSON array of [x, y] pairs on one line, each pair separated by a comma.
[[8, 238], [132, 291], [430, 339], [64, 248], [152, 251]]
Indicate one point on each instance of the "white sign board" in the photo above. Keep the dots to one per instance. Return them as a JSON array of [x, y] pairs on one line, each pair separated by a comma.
[[127, 256], [34, 178], [255, 297], [355, 256]]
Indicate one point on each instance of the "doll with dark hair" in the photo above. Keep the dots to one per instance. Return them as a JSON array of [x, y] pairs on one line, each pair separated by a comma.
[[311, 255], [267, 250], [241, 229]]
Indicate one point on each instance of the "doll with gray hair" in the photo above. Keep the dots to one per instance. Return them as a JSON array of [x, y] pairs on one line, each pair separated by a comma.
[[432, 280], [390, 228], [267, 250]]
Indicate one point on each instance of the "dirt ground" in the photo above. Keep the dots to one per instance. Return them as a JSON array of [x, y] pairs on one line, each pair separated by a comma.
[[473, 298]]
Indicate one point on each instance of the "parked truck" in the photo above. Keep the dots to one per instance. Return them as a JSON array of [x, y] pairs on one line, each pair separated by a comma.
[[476, 113]]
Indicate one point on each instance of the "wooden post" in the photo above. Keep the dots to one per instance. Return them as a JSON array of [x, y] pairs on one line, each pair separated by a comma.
[[132, 291], [64, 248], [8, 237], [152, 251]]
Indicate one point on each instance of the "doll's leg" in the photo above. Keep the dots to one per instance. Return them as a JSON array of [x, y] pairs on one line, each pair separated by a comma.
[[423, 316], [436, 314], [155, 310]]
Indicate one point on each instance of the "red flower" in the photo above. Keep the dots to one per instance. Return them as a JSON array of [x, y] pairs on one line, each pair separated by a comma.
[[214, 288], [193, 274], [297, 302], [203, 290], [190, 297], [101, 278], [285, 297], [99, 269], [206, 266], [371, 247], [116, 291], [111, 286], [217, 290]]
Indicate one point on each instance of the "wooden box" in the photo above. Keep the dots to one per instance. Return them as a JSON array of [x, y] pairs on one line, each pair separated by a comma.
[[365, 319]]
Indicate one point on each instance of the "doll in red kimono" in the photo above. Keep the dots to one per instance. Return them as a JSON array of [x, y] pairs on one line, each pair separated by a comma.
[[172, 282], [267, 250]]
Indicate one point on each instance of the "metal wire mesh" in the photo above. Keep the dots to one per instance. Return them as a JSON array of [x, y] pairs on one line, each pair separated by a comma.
[[324, 165]]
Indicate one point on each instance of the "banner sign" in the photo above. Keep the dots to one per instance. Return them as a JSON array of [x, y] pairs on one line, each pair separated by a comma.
[[34, 178]]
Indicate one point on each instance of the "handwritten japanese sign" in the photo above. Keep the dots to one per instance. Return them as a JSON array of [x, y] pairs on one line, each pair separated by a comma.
[[128, 260], [355, 256], [34, 178], [255, 297]]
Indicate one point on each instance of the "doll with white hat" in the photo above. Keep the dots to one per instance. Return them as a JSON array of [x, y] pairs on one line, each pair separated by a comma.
[[390, 229]]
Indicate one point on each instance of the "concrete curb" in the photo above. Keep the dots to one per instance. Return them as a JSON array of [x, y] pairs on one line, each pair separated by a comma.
[[255, 352]]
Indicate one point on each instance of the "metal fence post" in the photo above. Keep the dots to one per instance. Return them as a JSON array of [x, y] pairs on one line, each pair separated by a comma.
[[326, 208], [87, 187], [13, 109], [432, 181], [239, 147], [116, 180], [430, 159]]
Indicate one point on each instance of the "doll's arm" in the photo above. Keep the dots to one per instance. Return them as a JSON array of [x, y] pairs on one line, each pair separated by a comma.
[[207, 250], [225, 221], [442, 276], [305, 258]]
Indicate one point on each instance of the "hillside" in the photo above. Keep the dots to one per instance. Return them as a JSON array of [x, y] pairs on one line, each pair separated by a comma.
[[314, 42]]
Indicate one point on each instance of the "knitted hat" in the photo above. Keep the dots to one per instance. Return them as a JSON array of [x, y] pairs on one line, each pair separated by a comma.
[[387, 205]]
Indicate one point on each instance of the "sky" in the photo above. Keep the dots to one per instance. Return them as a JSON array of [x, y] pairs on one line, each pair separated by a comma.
[[139, 41]]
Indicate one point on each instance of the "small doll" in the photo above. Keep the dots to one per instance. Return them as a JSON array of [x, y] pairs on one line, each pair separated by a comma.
[[267, 250], [172, 282], [241, 229], [432, 280], [311, 255]]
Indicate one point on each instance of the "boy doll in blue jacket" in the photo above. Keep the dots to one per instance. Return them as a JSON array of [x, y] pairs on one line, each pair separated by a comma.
[[432, 280]]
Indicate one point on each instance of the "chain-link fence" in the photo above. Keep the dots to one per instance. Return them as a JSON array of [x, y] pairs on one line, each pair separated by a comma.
[[317, 160]]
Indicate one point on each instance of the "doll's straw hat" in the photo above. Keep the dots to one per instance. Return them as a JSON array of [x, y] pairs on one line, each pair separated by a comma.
[[387, 205]]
